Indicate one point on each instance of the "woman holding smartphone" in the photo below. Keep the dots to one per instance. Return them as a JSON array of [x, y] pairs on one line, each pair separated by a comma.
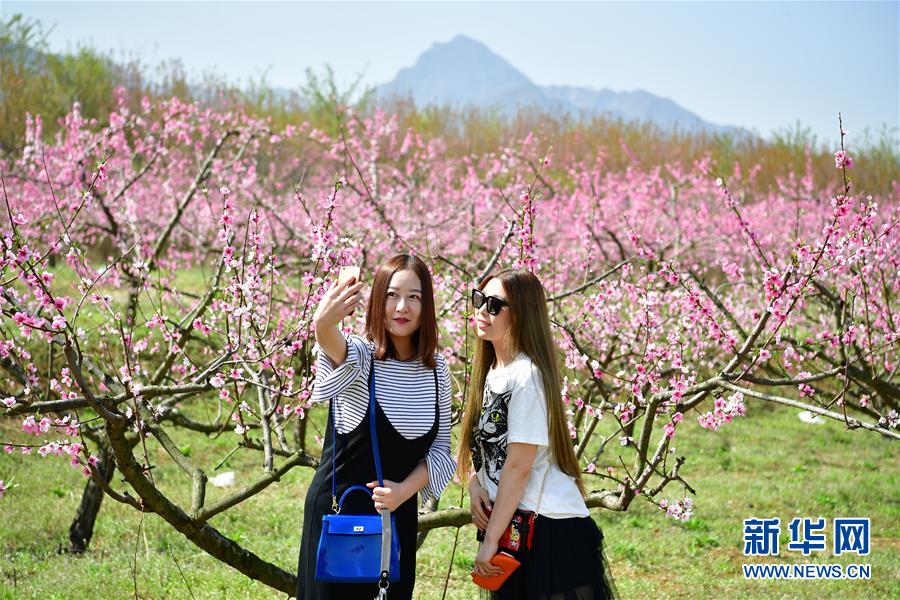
[[514, 433], [412, 412]]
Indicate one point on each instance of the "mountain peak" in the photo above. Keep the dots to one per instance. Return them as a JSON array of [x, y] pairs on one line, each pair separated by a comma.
[[465, 54], [465, 72], [462, 41], [458, 72]]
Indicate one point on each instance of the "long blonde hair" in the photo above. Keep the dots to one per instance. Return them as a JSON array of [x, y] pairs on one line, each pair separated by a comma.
[[529, 332]]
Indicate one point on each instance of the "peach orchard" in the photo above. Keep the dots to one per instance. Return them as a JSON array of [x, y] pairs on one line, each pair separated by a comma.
[[159, 272]]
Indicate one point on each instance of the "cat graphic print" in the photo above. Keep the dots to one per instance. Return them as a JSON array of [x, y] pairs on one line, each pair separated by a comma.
[[490, 436]]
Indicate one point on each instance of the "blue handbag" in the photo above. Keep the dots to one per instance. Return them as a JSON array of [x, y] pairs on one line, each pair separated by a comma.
[[354, 548], [350, 547]]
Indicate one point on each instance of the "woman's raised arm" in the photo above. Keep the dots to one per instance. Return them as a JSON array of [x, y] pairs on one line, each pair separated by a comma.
[[337, 303]]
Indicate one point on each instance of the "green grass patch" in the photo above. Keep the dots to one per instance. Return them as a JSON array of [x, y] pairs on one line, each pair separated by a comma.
[[768, 464]]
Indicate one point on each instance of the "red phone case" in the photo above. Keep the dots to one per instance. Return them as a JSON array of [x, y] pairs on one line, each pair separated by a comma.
[[503, 560]]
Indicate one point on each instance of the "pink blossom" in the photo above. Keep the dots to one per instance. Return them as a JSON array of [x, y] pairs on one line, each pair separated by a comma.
[[724, 412], [681, 510], [199, 326], [842, 160], [669, 430], [30, 426]]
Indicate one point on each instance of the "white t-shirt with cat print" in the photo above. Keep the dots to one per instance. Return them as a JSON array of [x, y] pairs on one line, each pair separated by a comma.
[[514, 410]]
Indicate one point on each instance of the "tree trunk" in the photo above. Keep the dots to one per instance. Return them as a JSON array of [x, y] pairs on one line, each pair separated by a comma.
[[82, 528]]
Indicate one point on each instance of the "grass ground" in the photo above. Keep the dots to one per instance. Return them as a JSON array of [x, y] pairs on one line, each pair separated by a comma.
[[769, 464]]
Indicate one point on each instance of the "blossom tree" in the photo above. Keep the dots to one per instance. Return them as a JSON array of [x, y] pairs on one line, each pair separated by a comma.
[[160, 271]]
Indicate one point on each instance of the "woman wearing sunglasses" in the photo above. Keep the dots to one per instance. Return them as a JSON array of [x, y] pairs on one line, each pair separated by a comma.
[[515, 434], [412, 409]]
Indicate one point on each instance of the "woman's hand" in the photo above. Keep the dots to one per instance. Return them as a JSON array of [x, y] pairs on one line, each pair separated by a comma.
[[338, 302], [389, 496], [480, 503], [483, 565]]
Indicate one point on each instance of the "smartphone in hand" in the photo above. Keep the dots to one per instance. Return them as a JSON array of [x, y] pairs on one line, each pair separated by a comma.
[[503, 560], [348, 273]]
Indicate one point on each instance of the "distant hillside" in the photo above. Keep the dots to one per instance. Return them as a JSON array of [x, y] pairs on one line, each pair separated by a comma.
[[465, 72]]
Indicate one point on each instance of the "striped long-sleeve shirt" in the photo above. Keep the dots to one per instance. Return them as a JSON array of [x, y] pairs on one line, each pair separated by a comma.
[[405, 392]]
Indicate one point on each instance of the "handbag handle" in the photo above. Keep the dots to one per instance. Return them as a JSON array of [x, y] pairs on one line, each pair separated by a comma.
[[335, 505], [386, 525], [373, 433], [352, 488]]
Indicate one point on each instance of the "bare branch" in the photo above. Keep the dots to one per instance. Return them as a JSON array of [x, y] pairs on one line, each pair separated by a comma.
[[299, 458], [202, 175], [853, 423], [496, 256], [590, 282]]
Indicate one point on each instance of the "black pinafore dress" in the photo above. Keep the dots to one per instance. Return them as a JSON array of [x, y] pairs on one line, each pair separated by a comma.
[[355, 465]]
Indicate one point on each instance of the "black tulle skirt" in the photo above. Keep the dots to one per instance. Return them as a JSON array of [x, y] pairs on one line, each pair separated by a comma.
[[566, 562]]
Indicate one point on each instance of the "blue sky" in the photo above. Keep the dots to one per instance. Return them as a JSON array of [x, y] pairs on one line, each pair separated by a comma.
[[760, 65]]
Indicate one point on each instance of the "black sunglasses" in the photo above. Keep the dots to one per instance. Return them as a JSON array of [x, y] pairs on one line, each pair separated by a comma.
[[494, 304]]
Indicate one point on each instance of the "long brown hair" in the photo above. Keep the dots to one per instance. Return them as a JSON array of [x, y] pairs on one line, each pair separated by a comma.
[[424, 339], [529, 332]]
